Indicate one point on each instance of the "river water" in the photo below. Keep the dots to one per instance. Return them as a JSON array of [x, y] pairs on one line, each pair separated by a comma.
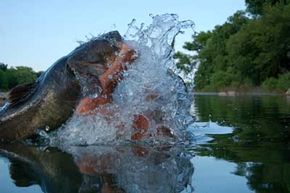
[[252, 158], [235, 144], [241, 144]]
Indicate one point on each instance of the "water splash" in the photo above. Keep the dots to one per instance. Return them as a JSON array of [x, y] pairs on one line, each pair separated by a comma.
[[204, 130], [149, 88], [159, 36]]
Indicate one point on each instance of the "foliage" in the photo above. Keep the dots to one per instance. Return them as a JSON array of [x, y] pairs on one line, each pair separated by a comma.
[[280, 83], [187, 62], [10, 77], [244, 51], [257, 7], [3, 66], [259, 50], [184, 61], [214, 71]]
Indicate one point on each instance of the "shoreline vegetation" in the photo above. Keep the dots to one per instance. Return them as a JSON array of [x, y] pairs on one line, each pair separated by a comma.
[[253, 92], [243, 91], [249, 52], [13, 76]]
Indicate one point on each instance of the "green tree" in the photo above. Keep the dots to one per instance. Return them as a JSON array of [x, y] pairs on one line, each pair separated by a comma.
[[212, 55], [3, 80], [3, 66], [257, 7], [187, 62], [260, 50], [244, 51], [11, 77], [25, 75]]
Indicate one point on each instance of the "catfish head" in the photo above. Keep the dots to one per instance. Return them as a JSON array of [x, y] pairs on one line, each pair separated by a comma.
[[92, 59]]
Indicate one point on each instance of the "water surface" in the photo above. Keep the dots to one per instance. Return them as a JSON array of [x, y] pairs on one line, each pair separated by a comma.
[[241, 145], [255, 157]]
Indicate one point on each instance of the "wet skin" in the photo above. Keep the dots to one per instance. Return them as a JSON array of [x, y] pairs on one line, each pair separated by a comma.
[[50, 101]]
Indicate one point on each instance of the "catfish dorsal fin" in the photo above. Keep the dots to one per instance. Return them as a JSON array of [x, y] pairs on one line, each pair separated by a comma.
[[21, 93]]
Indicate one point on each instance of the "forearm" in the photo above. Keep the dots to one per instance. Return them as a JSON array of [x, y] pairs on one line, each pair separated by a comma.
[[111, 77]]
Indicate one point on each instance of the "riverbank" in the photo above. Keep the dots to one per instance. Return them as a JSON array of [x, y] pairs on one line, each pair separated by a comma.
[[243, 92]]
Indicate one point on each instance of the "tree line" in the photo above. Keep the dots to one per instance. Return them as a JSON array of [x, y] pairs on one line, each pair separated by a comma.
[[10, 77], [251, 49]]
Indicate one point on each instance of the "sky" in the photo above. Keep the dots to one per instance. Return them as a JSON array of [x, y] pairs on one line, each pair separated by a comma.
[[36, 33]]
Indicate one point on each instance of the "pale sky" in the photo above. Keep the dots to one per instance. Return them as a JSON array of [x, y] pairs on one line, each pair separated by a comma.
[[36, 33]]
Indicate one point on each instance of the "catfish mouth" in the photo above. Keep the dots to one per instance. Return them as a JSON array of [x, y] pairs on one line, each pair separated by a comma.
[[90, 60]]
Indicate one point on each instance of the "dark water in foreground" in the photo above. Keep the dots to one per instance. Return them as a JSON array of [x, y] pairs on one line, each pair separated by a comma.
[[243, 148]]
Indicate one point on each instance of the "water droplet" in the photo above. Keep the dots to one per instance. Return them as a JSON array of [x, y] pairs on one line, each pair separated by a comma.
[[148, 73]]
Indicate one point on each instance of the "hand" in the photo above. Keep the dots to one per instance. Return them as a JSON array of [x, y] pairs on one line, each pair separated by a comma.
[[126, 54], [87, 104], [141, 126], [111, 77]]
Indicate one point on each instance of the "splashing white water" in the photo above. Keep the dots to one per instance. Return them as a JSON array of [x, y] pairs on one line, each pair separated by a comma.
[[149, 88]]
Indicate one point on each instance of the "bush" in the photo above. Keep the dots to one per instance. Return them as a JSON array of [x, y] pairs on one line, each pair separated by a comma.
[[282, 83], [11, 77], [221, 79], [270, 84]]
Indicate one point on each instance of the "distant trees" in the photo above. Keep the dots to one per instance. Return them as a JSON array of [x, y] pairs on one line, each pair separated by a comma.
[[257, 7], [244, 51], [3, 66], [10, 77]]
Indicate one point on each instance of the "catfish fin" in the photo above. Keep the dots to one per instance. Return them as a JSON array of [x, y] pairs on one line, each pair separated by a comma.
[[21, 93]]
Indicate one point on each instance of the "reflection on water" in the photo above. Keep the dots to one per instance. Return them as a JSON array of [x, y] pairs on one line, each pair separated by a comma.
[[103, 169], [241, 145], [258, 147]]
